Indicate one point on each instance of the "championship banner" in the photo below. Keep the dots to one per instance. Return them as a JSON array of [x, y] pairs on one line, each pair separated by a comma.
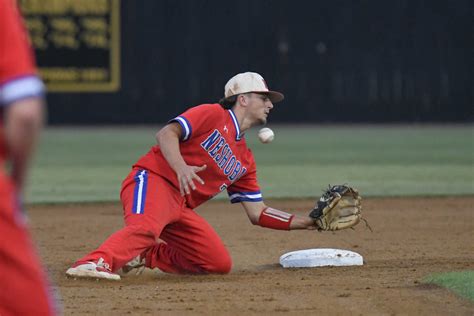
[[77, 43]]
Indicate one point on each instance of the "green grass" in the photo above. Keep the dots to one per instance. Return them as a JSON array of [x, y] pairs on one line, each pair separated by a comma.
[[461, 283], [88, 164]]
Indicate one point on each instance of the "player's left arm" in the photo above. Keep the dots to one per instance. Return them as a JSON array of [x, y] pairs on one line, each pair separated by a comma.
[[23, 122], [261, 214]]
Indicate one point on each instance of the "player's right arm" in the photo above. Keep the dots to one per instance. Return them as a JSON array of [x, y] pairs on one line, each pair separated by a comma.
[[23, 122], [168, 140], [21, 92]]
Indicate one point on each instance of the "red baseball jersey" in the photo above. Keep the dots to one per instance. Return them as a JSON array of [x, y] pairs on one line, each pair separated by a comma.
[[211, 136], [18, 78]]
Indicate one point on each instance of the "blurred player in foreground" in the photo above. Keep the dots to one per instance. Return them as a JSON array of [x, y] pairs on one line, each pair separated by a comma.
[[199, 154], [23, 286]]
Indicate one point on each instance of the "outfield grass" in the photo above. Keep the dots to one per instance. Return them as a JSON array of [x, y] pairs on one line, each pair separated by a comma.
[[88, 164], [462, 282]]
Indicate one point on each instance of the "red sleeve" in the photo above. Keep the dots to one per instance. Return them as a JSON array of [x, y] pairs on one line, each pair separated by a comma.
[[16, 57], [17, 67], [198, 120]]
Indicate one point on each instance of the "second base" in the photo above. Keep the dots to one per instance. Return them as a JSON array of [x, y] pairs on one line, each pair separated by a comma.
[[320, 257]]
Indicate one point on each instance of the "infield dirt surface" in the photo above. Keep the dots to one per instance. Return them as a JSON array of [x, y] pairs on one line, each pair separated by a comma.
[[411, 238]]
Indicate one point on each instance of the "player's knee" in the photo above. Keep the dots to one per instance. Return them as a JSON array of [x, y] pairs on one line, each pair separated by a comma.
[[221, 264], [143, 229]]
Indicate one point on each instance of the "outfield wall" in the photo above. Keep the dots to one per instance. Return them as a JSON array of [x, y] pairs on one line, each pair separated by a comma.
[[337, 61]]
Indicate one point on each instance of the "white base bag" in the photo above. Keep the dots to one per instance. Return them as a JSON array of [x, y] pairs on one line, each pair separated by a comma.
[[320, 257]]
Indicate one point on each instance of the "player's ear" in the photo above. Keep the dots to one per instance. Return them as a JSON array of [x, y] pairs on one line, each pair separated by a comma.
[[242, 100]]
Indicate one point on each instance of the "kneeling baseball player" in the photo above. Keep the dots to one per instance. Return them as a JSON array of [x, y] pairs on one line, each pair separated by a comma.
[[199, 154]]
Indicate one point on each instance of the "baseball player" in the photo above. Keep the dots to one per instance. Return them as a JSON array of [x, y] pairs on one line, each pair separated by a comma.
[[23, 287], [199, 154]]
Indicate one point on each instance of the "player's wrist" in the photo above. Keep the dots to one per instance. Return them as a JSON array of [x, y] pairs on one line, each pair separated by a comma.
[[302, 222], [275, 219]]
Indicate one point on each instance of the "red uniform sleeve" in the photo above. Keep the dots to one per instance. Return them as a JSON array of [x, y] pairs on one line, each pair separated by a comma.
[[17, 66], [198, 120], [16, 58]]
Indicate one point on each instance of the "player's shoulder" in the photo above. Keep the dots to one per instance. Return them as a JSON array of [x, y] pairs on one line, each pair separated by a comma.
[[214, 107], [207, 110]]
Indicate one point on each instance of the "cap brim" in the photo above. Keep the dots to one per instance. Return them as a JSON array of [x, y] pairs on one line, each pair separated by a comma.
[[275, 96]]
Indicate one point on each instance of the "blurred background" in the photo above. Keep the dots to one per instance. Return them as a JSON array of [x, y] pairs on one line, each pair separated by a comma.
[[379, 93], [129, 62]]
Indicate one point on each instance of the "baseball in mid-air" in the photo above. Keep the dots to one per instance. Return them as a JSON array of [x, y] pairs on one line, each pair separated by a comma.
[[266, 135]]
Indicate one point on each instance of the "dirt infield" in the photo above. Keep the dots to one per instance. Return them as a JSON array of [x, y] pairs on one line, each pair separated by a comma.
[[411, 239]]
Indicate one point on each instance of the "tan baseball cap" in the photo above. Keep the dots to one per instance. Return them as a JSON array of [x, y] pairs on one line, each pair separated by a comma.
[[250, 82]]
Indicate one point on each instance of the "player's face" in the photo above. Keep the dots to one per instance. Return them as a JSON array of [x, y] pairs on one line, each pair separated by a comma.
[[259, 108]]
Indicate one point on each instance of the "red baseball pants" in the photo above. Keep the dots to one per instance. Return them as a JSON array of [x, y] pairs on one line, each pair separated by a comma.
[[154, 209], [23, 286]]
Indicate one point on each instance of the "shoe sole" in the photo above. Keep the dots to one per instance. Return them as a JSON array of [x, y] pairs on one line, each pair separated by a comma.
[[88, 274]]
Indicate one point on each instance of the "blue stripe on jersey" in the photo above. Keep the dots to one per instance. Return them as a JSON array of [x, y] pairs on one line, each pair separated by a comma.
[[139, 196], [236, 197], [185, 127]]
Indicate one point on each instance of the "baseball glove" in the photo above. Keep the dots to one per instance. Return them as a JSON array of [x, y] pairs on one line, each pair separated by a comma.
[[338, 208]]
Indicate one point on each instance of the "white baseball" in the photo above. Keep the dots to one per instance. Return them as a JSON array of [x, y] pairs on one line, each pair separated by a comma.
[[266, 135]]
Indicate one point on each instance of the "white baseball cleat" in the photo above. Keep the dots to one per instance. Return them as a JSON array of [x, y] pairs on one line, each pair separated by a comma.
[[89, 269], [137, 263]]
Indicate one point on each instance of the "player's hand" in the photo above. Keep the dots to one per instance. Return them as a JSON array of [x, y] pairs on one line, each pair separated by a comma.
[[186, 176]]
